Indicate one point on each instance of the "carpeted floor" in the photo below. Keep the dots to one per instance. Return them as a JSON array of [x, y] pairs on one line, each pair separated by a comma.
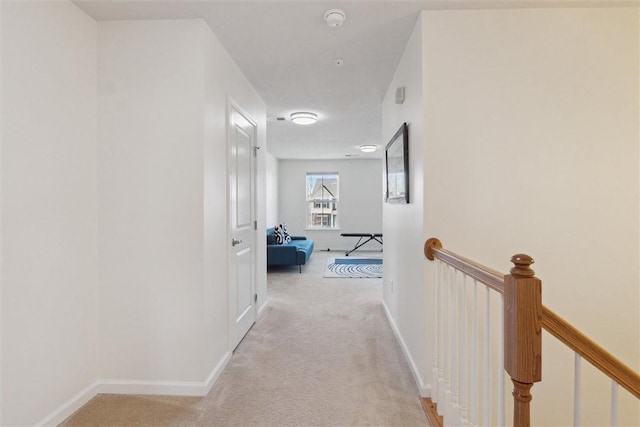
[[322, 354]]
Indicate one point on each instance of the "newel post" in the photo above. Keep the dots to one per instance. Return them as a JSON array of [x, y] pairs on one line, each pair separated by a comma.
[[522, 334]]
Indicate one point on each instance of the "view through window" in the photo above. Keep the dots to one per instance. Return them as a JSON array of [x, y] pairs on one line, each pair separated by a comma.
[[322, 200]]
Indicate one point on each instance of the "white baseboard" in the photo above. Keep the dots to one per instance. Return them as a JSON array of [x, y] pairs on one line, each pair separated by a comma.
[[70, 406], [423, 389], [174, 388], [262, 308], [217, 370]]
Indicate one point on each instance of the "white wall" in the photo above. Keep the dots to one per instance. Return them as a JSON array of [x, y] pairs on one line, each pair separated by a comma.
[[531, 144], [360, 200], [403, 224], [163, 93], [1, 198], [272, 190], [537, 135], [151, 185], [114, 276], [49, 208], [224, 81]]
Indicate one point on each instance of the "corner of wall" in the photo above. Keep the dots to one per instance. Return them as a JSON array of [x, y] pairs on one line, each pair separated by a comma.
[[423, 388], [173, 388], [1, 210], [65, 410], [403, 225]]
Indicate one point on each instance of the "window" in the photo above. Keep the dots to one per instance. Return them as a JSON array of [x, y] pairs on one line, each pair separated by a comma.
[[322, 200]]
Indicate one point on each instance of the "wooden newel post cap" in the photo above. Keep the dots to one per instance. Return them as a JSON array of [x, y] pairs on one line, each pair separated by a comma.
[[429, 245], [522, 264]]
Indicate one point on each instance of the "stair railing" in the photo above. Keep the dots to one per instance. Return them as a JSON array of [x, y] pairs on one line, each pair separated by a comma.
[[462, 324], [584, 348]]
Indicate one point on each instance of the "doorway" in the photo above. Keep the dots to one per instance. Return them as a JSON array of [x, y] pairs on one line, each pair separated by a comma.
[[242, 133]]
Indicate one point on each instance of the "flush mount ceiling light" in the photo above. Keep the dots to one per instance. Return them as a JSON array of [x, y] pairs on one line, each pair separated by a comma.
[[335, 17], [368, 148], [304, 118]]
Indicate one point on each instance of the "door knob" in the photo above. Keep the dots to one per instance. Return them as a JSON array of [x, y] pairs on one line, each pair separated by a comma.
[[235, 242]]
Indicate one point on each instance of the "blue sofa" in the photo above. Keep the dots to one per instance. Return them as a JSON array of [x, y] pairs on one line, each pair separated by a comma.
[[297, 252]]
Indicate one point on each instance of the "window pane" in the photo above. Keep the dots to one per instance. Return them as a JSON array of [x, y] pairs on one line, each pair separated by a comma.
[[322, 186], [322, 192]]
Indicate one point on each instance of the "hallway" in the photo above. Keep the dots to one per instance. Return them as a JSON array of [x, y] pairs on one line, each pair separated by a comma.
[[322, 353]]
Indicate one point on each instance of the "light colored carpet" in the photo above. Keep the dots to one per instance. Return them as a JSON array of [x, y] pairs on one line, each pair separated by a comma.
[[322, 354]]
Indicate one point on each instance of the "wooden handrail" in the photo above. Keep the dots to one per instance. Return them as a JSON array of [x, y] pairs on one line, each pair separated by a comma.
[[491, 278], [525, 317], [590, 351], [522, 295]]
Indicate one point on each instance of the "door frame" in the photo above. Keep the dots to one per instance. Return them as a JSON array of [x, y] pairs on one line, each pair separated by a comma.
[[232, 106]]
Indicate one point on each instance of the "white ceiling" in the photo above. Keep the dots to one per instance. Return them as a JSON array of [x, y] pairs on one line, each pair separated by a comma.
[[286, 50]]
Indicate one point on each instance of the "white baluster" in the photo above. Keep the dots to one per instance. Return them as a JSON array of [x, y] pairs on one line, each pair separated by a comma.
[[449, 367], [456, 350], [445, 341], [464, 378], [486, 398], [577, 362], [473, 398], [501, 371], [436, 328], [614, 404], [441, 342]]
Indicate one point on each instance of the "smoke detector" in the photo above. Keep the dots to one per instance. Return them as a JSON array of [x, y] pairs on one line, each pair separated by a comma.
[[335, 17]]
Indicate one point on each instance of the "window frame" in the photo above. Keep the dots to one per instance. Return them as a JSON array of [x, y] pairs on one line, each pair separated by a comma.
[[329, 208]]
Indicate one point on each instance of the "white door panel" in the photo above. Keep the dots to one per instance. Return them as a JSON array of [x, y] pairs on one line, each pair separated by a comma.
[[242, 309], [244, 297], [243, 179]]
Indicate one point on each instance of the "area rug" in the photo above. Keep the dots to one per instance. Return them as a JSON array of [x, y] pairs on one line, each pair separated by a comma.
[[354, 268]]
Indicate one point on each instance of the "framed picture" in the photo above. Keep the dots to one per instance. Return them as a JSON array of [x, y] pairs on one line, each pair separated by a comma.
[[397, 167]]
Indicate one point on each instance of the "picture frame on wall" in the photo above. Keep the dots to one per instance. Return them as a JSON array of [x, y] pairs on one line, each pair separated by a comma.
[[397, 167]]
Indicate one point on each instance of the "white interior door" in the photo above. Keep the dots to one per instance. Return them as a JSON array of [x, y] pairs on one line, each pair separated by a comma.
[[242, 304]]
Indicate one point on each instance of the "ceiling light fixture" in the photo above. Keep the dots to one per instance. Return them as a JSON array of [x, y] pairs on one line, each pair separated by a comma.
[[304, 118], [335, 17], [368, 148]]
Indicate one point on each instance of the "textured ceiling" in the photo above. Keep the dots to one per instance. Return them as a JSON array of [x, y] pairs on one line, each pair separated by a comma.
[[286, 50]]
